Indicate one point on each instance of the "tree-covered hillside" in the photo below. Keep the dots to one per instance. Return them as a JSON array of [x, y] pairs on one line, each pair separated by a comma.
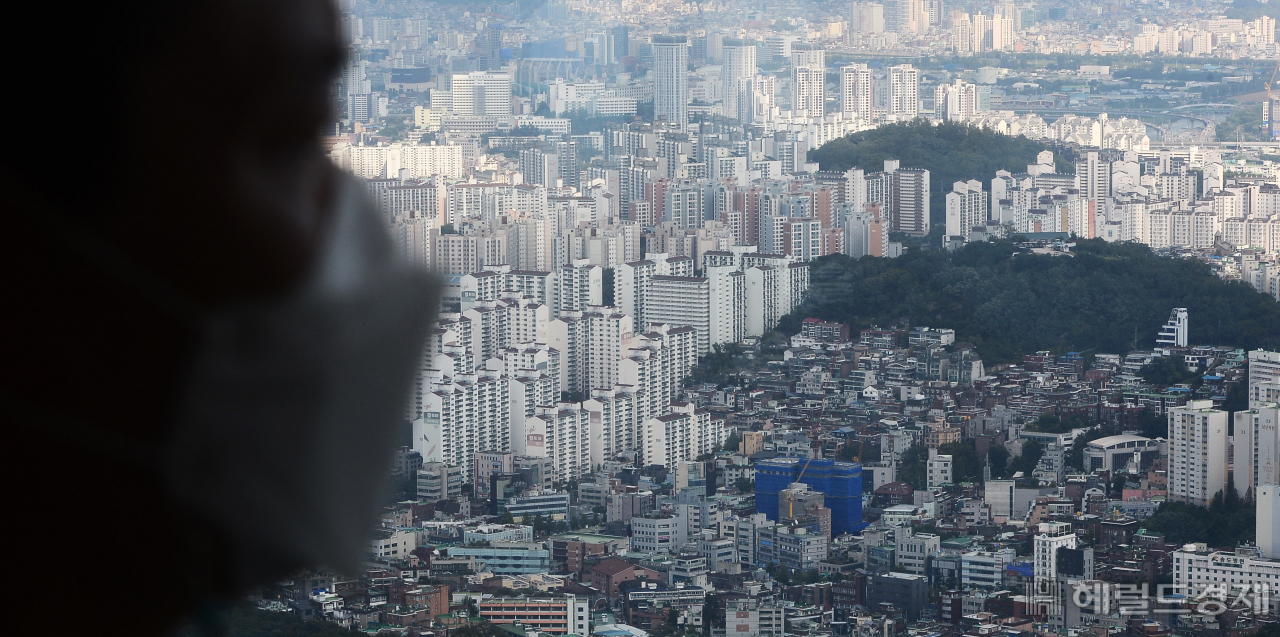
[[951, 152], [1011, 305]]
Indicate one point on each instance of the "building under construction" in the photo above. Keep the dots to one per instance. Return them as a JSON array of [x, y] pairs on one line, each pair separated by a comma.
[[839, 482]]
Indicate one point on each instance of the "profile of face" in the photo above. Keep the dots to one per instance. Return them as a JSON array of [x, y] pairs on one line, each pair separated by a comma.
[[223, 125], [208, 181]]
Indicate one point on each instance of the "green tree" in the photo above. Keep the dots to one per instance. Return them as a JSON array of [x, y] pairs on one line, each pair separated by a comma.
[[1008, 303], [745, 485], [966, 466], [1167, 370], [998, 458]]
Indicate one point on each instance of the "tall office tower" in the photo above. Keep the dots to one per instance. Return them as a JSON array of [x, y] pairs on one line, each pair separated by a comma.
[[492, 44], [1267, 526], [619, 44], [1197, 452], [904, 88], [933, 11], [911, 201], [736, 75], [481, 94], [905, 16], [867, 17], [1174, 332], [671, 79], [966, 208], [855, 91], [1053, 537], [1093, 180], [1257, 449], [1001, 33], [841, 482], [808, 54], [807, 91]]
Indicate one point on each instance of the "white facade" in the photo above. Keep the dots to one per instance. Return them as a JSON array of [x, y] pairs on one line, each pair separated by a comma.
[[671, 79], [1268, 521], [1197, 452], [481, 94], [1195, 569], [660, 535], [939, 469], [1257, 449], [683, 434], [966, 207]]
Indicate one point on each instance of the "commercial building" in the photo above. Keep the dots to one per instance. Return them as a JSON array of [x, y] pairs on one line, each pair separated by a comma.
[[556, 616], [551, 506], [906, 592], [657, 534], [1195, 569], [508, 558], [481, 94], [1115, 452], [437, 481]]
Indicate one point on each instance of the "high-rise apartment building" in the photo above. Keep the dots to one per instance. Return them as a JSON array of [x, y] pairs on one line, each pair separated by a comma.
[[671, 79], [1257, 448], [911, 201], [807, 91], [1197, 452], [966, 207], [904, 88], [855, 91], [737, 73]]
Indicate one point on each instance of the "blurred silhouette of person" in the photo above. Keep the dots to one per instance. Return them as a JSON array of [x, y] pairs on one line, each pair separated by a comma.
[[208, 337]]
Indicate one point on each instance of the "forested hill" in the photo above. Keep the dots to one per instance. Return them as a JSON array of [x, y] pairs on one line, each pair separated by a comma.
[[1012, 305], [951, 152]]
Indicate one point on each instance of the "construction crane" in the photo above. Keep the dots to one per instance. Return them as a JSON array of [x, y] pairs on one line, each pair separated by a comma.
[[791, 504]]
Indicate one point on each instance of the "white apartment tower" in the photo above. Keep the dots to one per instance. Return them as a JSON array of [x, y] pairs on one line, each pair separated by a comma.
[[904, 88], [911, 200], [737, 73], [1197, 452], [671, 79], [855, 91], [939, 468], [966, 208], [1257, 448], [807, 91], [1268, 521]]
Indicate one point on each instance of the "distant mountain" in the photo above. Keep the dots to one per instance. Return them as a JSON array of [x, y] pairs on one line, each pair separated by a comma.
[[1011, 305]]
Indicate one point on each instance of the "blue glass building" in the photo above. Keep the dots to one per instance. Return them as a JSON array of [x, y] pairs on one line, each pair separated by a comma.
[[840, 481]]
